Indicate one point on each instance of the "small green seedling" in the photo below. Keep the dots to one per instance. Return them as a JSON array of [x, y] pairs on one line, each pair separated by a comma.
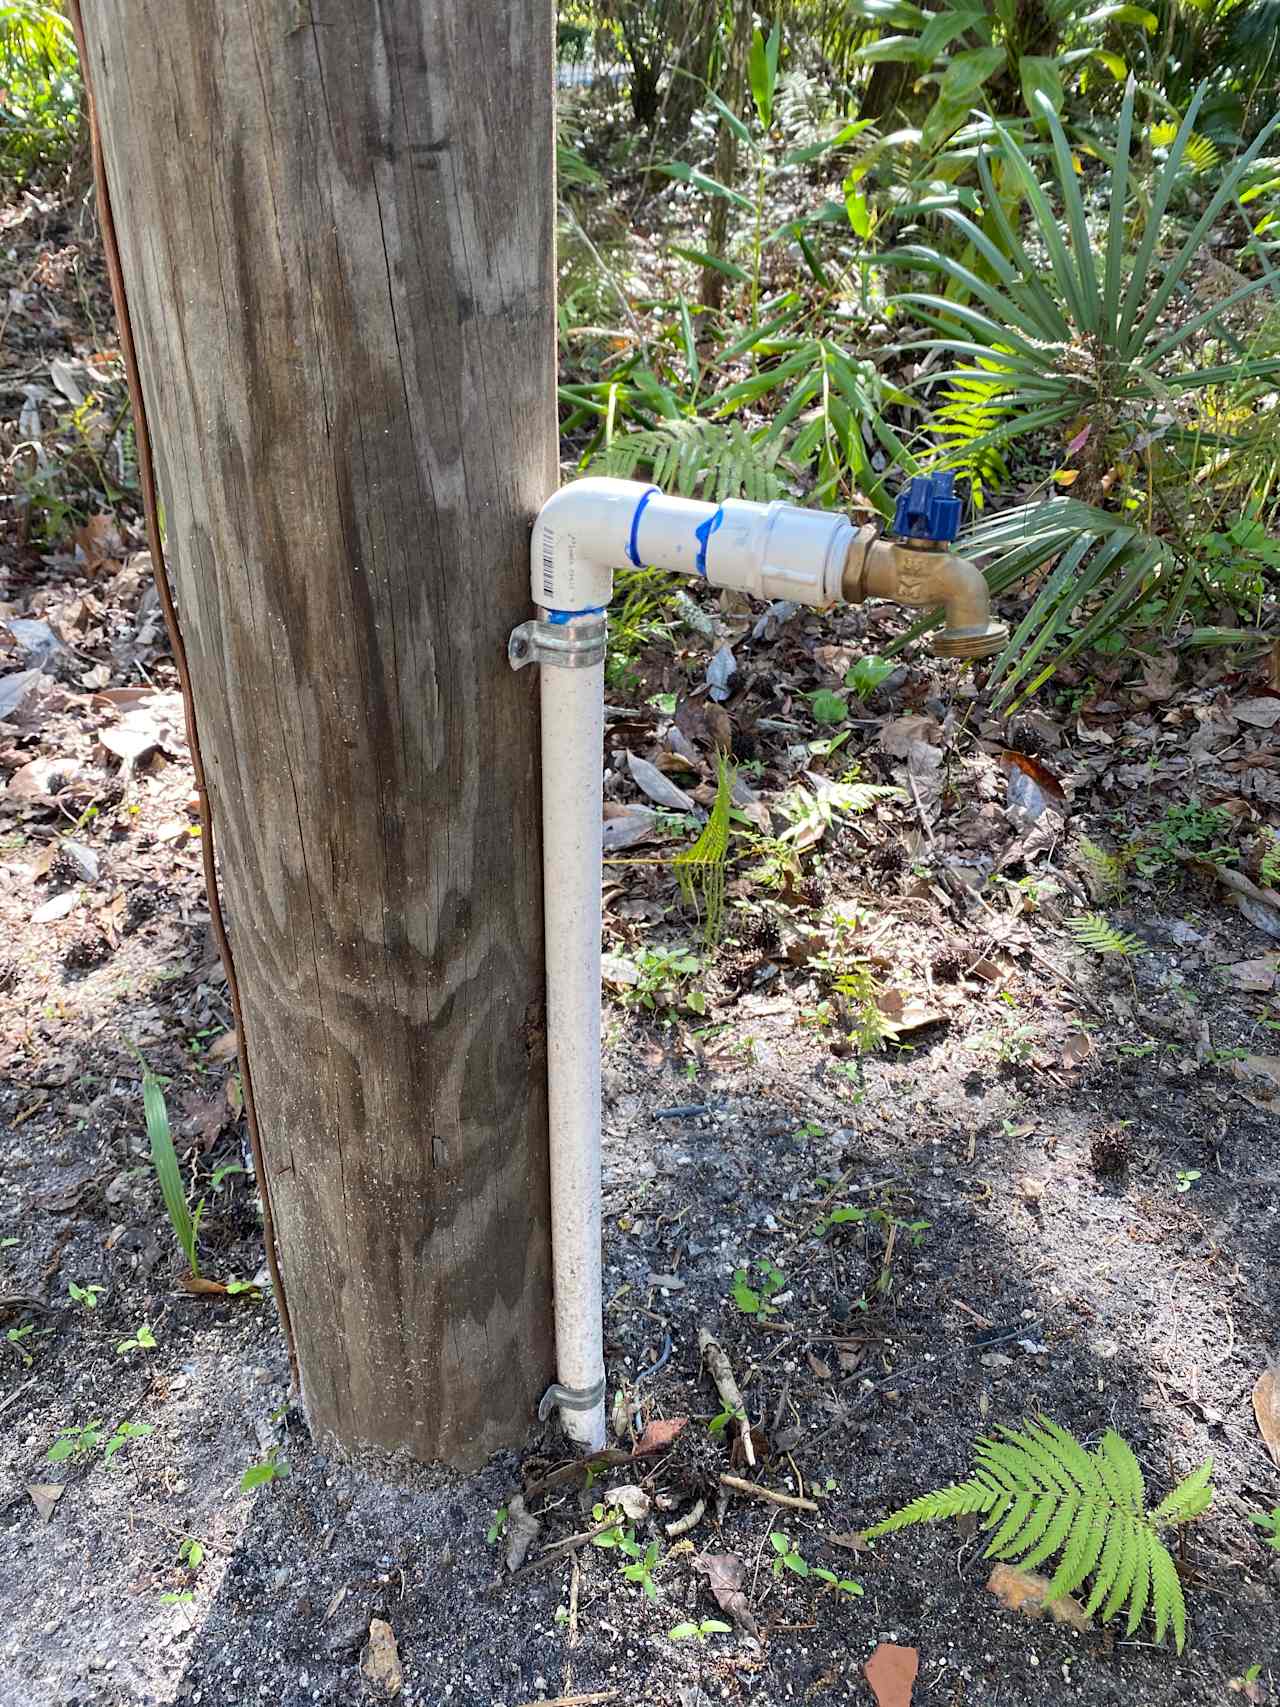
[[219, 1174], [1187, 1177], [838, 1585], [1269, 1523], [868, 673], [640, 1570], [177, 1597], [702, 1632], [124, 1433], [272, 1469], [246, 1289], [143, 1340], [643, 1560], [787, 1558], [753, 1300], [164, 1158], [15, 1337], [76, 1444], [498, 1526], [86, 1295], [191, 1552], [827, 708]]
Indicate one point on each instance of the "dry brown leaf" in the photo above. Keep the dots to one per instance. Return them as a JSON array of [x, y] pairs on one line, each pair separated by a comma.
[[1040, 774], [1260, 713], [852, 1543], [891, 1671], [130, 741], [1024, 1591], [724, 1573], [658, 1435], [522, 1530], [1257, 974], [58, 908], [201, 1286], [1266, 1407], [99, 540], [380, 1661], [45, 1496], [901, 734], [906, 1013], [1077, 1049], [224, 1048]]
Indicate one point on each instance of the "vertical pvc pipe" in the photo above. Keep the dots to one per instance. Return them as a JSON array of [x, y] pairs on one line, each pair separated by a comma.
[[572, 818]]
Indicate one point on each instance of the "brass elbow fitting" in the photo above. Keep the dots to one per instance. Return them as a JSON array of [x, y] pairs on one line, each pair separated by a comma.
[[918, 572]]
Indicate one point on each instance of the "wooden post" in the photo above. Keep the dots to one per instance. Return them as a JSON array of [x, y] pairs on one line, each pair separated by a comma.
[[335, 224]]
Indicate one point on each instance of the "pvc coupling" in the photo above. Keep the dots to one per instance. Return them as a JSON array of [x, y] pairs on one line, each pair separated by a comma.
[[594, 526]]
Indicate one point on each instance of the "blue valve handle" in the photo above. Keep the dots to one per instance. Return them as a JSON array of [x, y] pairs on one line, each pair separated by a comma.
[[927, 508]]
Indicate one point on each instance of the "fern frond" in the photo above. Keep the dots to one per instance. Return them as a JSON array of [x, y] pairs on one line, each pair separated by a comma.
[[697, 459], [959, 1500], [1107, 873], [1044, 1494], [1188, 1499], [1099, 936], [1269, 869], [965, 424], [700, 869]]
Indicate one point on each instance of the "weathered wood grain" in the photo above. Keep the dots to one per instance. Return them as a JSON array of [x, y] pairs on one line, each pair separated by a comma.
[[335, 220]]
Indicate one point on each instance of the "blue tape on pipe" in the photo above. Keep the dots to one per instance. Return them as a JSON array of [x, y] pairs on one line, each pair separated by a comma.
[[703, 536], [633, 544], [558, 617]]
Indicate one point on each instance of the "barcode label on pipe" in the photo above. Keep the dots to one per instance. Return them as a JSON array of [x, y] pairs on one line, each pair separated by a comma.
[[548, 563]]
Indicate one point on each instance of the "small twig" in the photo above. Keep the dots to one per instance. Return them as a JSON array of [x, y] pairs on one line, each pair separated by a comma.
[[740, 1485], [17, 1393], [925, 825], [572, 1700], [727, 1387], [691, 1519], [555, 1554]]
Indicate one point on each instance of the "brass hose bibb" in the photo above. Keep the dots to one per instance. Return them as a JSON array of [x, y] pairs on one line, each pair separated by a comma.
[[917, 569]]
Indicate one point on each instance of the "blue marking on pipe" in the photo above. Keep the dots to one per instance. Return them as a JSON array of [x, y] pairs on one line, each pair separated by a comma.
[[703, 536], [633, 544], [559, 617]]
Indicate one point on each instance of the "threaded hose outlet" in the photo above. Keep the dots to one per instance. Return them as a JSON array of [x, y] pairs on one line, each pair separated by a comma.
[[983, 644]]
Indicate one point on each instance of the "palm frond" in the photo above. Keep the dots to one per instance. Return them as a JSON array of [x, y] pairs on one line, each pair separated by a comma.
[[698, 459]]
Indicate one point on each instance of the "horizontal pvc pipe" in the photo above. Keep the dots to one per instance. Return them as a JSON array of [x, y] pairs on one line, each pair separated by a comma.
[[771, 551]]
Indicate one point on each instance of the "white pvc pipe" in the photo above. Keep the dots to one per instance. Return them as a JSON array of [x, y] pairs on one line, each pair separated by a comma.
[[572, 745], [582, 534]]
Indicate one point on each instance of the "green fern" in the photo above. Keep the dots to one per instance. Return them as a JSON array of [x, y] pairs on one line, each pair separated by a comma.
[[1108, 872], [700, 869], [1043, 1493], [966, 425], [1096, 934], [858, 989], [1269, 868], [697, 459]]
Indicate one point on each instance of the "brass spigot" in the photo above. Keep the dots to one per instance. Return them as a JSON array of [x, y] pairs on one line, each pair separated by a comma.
[[918, 569]]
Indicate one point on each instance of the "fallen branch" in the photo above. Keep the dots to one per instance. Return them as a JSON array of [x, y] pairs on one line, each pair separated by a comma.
[[740, 1485], [727, 1387]]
